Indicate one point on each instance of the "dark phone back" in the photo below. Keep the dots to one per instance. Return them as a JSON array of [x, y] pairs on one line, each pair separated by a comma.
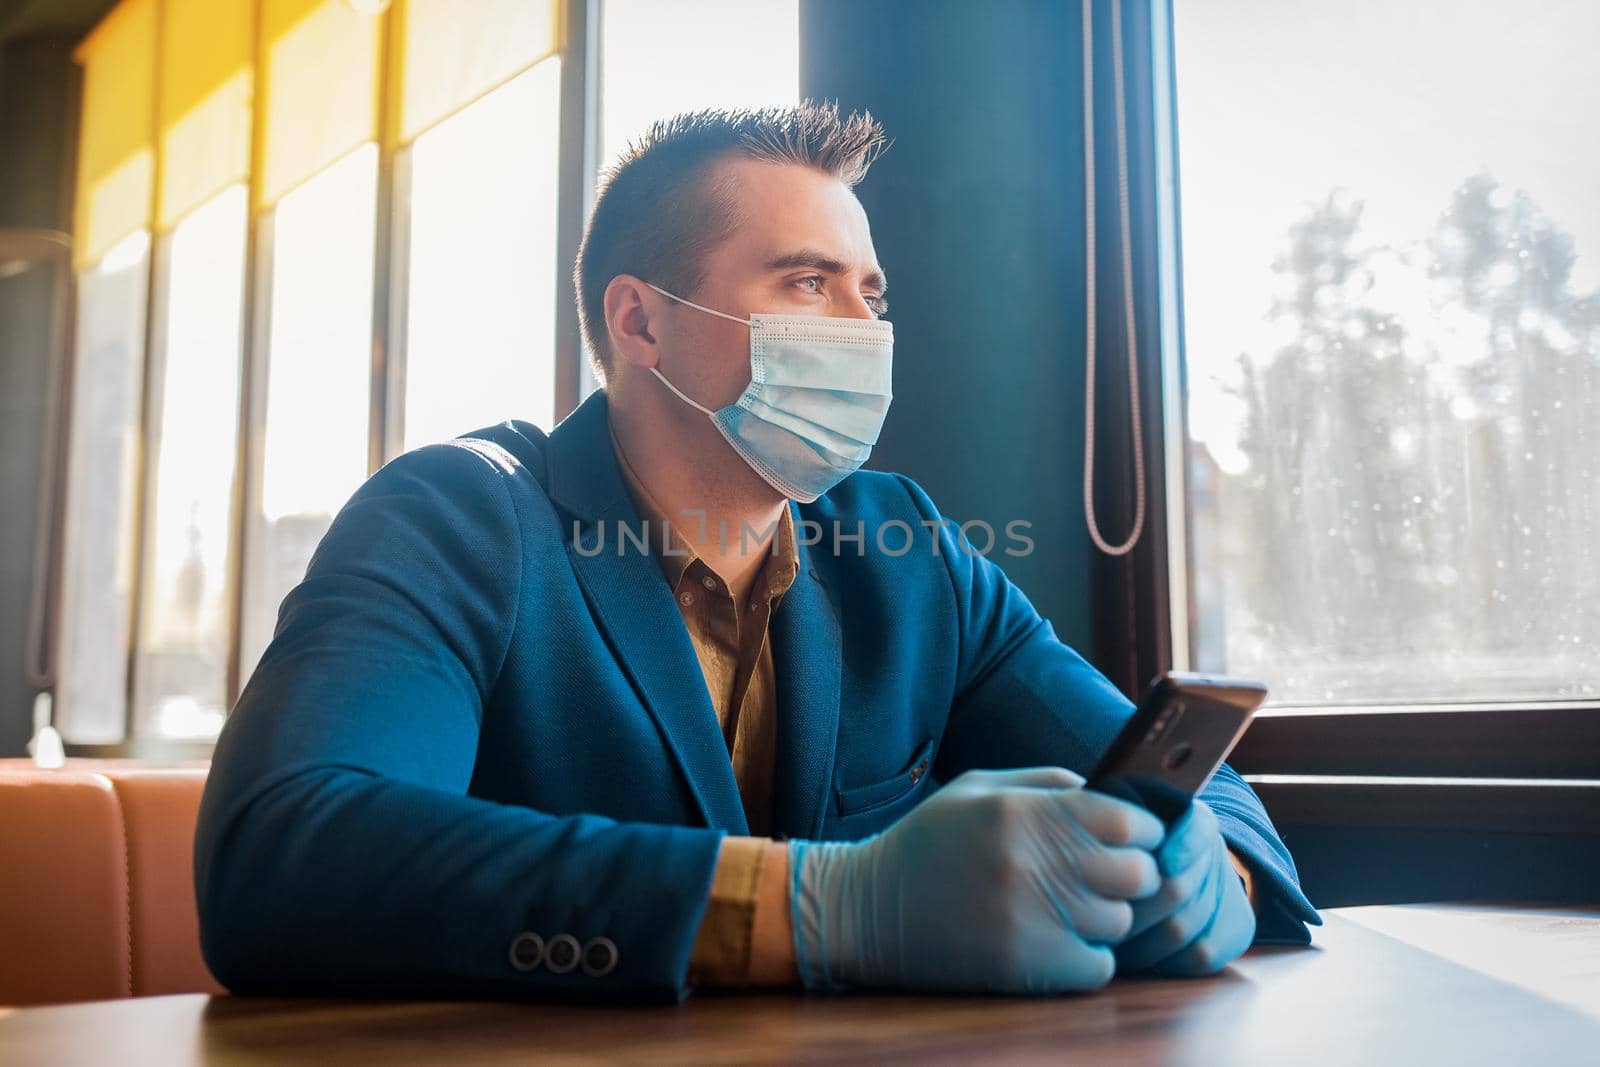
[[1182, 731]]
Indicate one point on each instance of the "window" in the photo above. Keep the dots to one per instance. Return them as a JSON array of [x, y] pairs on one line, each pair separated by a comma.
[[101, 483], [481, 300], [660, 57], [1392, 329], [318, 379], [180, 671]]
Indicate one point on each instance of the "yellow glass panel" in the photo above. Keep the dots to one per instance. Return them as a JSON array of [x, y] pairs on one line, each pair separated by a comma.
[[320, 64], [116, 160], [205, 101], [455, 53]]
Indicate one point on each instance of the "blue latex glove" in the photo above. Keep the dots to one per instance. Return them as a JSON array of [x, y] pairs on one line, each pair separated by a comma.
[[1001, 882], [1200, 919]]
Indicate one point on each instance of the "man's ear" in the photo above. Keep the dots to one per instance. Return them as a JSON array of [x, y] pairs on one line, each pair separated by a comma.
[[630, 305]]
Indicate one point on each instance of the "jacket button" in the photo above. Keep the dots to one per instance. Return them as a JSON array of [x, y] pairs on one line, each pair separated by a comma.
[[527, 949], [561, 954], [599, 956]]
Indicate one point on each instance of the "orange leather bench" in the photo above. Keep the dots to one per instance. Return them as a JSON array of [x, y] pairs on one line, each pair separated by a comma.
[[97, 881]]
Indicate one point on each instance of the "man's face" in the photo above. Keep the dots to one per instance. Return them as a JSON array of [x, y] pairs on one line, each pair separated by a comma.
[[801, 247]]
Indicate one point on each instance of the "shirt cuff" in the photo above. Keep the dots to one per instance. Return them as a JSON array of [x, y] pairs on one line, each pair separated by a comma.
[[744, 937]]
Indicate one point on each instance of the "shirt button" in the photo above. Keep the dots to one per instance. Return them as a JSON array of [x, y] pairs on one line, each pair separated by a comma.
[[561, 955], [599, 957], [527, 949], [709, 582], [686, 598]]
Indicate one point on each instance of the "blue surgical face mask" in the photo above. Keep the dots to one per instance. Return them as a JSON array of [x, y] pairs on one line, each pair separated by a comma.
[[818, 394]]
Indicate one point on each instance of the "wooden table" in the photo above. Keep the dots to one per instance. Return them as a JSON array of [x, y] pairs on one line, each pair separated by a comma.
[[1436, 984]]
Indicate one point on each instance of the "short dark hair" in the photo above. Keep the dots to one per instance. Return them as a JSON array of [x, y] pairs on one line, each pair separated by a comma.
[[657, 216]]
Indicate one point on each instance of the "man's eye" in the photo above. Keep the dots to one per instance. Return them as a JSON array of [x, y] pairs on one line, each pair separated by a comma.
[[813, 278], [878, 304]]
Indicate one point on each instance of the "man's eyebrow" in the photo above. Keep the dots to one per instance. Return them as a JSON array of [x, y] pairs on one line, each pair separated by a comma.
[[825, 263]]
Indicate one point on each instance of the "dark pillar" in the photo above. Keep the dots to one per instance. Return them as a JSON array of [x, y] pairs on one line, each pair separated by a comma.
[[36, 76], [977, 216]]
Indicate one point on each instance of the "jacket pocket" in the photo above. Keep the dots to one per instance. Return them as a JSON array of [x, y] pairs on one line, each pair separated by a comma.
[[854, 800]]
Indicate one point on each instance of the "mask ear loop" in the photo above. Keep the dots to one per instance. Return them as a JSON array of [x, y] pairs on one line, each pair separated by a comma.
[[681, 396], [710, 311], [700, 307]]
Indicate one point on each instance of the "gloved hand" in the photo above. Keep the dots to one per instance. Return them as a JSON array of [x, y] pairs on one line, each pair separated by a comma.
[[1200, 919], [1003, 881]]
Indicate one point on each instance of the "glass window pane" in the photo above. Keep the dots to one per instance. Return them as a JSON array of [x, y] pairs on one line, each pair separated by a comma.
[[480, 326], [1392, 301], [660, 57], [97, 535], [318, 375], [180, 674]]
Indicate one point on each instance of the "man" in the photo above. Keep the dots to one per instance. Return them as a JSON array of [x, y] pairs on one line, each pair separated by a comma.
[[675, 694]]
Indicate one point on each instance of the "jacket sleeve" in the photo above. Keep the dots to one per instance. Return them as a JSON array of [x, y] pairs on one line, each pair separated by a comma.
[[337, 850], [1024, 698]]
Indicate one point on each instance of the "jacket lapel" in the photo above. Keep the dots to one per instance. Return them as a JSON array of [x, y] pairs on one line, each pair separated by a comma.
[[807, 661], [634, 606]]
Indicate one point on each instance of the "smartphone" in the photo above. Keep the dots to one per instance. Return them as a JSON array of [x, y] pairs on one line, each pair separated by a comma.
[[1177, 738]]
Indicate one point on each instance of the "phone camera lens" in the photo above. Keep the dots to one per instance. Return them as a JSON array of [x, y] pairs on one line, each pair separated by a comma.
[[1176, 756]]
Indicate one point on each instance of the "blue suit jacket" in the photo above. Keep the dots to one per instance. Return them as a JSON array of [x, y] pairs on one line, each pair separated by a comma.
[[466, 728]]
